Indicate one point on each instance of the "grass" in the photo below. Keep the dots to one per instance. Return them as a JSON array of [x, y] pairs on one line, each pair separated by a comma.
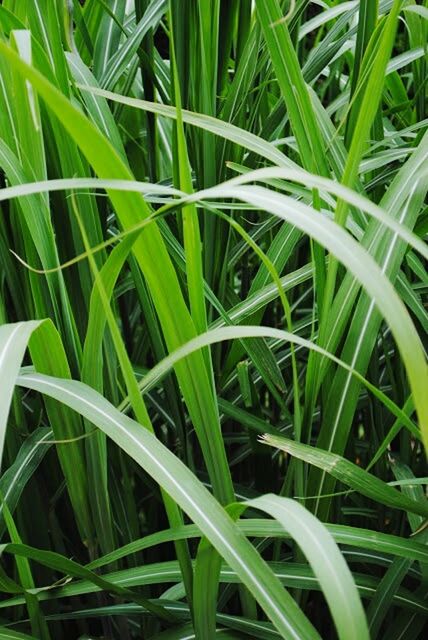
[[213, 407]]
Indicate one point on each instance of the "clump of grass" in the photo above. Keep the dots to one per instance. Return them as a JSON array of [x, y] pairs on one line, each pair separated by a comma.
[[212, 239]]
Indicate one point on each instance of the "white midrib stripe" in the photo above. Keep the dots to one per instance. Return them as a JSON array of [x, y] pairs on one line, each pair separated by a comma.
[[109, 37], [45, 35], [11, 119], [95, 102], [8, 343], [9, 387]]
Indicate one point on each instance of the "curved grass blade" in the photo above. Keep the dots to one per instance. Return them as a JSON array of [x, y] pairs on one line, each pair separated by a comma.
[[350, 474], [327, 562], [14, 479], [13, 343], [189, 493], [230, 333], [235, 134]]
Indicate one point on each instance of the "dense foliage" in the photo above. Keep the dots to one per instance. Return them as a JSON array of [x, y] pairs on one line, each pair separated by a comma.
[[213, 378]]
